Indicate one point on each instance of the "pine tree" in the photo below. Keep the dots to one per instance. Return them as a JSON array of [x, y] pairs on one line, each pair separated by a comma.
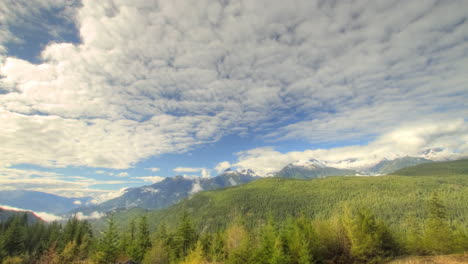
[[371, 241], [14, 239], [143, 241], [237, 244], [195, 256], [267, 244], [158, 254], [185, 237], [108, 245], [438, 237]]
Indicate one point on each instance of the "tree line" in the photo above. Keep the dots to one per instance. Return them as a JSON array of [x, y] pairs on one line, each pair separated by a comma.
[[354, 235]]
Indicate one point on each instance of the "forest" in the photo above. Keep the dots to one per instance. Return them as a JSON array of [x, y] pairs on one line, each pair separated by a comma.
[[354, 235]]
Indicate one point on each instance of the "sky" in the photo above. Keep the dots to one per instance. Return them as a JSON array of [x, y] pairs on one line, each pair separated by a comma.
[[99, 96]]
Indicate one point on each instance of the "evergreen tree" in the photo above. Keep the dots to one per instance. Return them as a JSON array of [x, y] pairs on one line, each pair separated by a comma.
[[143, 241], [371, 241], [108, 245], [158, 254], [438, 237], [185, 237], [267, 243], [237, 244], [195, 256], [14, 238]]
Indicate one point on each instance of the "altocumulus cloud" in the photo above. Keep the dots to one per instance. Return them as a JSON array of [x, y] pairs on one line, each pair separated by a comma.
[[155, 77]]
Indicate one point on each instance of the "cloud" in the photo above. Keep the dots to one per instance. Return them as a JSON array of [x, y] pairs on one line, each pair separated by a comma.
[[44, 216], [204, 172], [153, 78], [153, 169], [122, 174], [93, 215], [410, 140], [56, 183], [186, 169], [152, 179], [222, 166]]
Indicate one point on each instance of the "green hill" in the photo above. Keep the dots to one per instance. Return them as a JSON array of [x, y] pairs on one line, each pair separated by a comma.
[[457, 167], [392, 198]]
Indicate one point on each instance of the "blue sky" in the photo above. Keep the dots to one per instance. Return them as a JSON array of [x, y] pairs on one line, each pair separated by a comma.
[[96, 96]]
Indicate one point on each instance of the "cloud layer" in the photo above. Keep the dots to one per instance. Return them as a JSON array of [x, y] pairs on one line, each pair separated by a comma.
[[411, 140], [155, 77]]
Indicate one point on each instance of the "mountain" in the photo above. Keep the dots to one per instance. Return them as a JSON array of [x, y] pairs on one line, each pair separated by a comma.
[[445, 168], [7, 214], [171, 190], [311, 169], [388, 166], [323, 198], [40, 201]]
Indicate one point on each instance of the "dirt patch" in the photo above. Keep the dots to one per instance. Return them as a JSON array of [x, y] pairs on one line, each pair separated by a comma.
[[449, 259]]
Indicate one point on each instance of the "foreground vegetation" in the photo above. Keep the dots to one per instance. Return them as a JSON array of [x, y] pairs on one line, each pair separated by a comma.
[[354, 235], [331, 220]]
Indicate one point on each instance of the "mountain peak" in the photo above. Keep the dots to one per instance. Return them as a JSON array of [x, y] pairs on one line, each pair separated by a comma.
[[310, 163]]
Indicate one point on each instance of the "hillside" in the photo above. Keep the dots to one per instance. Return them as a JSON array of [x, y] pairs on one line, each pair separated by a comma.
[[457, 167], [169, 191], [320, 198], [7, 214], [390, 166], [40, 201]]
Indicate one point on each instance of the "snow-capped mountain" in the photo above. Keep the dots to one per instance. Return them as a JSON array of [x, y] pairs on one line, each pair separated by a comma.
[[171, 190], [307, 169]]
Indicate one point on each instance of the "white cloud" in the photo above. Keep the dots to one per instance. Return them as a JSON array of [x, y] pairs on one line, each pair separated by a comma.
[[152, 179], [222, 166], [153, 169], [196, 187], [93, 215], [77, 202], [44, 216], [205, 173], [56, 183], [122, 174], [406, 140], [153, 78], [187, 169], [108, 195]]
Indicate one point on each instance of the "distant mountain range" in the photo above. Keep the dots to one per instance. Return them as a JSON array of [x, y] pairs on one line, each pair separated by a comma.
[[171, 190], [280, 198], [40, 201], [311, 169]]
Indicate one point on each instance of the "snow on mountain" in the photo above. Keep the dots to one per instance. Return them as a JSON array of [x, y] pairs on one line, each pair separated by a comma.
[[311, 163]]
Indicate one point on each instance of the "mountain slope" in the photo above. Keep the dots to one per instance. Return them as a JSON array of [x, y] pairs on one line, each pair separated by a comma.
[[40, 201], [7, 214], [311, 169], [388, 166], [171, 190], [457, 167]]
